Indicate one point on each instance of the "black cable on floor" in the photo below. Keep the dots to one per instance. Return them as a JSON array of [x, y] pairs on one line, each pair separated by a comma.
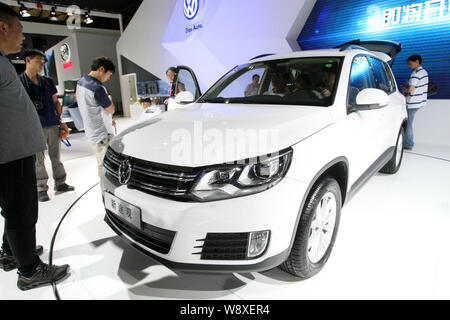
[[427, 156], [55, 289]]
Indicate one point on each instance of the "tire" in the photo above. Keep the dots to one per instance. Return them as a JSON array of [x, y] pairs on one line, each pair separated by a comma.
[[396, 161], [302, 261]]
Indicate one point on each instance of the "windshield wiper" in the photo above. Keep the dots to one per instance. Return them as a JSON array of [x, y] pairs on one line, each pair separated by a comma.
[[225, 100], [214, 100]]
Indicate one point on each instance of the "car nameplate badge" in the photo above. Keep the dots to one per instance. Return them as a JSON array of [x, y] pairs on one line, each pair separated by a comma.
[[124, 173]]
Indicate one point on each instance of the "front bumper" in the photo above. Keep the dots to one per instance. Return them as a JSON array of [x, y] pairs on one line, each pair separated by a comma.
[[182, 227]]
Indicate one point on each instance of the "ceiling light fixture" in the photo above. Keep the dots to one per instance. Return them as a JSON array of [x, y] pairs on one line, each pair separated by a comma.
[[87, 18], [53, 16], [23, 11]]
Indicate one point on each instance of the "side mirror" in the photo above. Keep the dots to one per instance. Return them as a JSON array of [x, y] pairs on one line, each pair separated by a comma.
[[371, 99], [184, 97]]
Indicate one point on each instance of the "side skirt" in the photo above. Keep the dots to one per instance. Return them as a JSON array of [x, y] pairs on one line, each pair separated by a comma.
[[373, 169]]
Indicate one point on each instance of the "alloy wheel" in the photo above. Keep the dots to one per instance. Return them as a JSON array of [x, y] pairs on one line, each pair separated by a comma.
[[322, 227]]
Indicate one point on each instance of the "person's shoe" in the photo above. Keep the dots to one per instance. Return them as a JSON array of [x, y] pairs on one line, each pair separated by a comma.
[[43, 196], [44, 275], [407, 148], [64, 188], [8, 263]]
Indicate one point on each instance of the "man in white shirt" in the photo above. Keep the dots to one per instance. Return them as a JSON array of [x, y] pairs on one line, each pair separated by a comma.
[[416, 95]]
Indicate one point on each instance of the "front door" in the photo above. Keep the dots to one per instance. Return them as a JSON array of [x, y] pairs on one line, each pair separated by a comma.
[[366, 139], [185, 80]]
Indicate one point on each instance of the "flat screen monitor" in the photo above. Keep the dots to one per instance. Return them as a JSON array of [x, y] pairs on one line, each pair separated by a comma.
[[50, 66]]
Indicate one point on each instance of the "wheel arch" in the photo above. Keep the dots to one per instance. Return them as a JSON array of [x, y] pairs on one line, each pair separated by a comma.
[[337, 169]]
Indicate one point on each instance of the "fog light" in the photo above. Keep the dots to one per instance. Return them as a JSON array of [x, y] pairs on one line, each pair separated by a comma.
[[257, 243]]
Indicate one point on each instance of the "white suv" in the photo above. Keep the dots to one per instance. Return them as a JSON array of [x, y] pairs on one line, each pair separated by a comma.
[[253, 175]]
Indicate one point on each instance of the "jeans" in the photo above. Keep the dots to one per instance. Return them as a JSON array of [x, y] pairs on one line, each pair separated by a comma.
[[409, 136]]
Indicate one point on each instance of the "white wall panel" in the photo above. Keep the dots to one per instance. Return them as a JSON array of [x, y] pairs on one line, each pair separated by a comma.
[[233, 31], [431, 125]]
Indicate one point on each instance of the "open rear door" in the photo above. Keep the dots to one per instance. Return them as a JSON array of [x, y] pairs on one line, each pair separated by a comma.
[[385, 50], [185, 81]]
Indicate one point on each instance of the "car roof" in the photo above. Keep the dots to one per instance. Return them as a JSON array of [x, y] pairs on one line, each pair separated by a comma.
[[314, 53]]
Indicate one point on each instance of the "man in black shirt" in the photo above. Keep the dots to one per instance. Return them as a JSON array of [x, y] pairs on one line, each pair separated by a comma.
[[43, 94]]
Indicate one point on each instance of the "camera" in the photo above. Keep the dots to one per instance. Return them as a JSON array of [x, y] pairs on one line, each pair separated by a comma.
[[39, 105]]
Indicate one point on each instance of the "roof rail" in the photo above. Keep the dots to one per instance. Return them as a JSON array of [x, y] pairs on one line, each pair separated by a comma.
[[357, 42], [390, 48], [262, 56], [353, 46]]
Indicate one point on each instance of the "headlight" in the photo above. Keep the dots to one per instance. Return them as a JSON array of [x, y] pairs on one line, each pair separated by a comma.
[[230, 181]]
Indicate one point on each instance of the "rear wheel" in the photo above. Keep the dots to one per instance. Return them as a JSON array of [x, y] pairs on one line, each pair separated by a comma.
[[396, 161], [317, 230]]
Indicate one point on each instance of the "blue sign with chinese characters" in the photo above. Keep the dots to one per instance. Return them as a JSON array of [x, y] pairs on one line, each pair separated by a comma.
[[421, 26]]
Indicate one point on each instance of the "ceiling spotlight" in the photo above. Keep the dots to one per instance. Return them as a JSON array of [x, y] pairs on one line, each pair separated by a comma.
[[87, 18], [53, 16], [23, 11]]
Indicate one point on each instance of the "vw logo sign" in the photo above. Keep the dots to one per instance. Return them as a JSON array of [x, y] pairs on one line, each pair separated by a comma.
[[125, 172], [191, 8]]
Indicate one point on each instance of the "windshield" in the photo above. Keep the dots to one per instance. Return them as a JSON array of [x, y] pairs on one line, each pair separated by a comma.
[[300, 81]]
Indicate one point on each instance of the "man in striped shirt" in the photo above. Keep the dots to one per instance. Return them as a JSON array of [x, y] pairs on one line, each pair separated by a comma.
[[416, 95]]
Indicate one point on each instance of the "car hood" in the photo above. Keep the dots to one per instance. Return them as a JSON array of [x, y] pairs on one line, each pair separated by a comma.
[[207, 134]]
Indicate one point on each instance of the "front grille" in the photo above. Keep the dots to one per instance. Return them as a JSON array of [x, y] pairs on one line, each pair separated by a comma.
[[152, 178], [224, 246], [152, 237]]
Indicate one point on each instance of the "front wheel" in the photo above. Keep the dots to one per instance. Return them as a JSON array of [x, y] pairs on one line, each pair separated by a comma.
[[317, 230]]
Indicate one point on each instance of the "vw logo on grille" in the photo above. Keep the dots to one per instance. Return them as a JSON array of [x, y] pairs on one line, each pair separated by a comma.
[[125, 172], [191, 8]]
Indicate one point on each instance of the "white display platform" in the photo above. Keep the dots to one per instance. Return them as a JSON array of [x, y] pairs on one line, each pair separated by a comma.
[[393, 243]]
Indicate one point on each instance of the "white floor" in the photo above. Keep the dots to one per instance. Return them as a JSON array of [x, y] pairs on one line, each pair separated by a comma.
[[393, 243]]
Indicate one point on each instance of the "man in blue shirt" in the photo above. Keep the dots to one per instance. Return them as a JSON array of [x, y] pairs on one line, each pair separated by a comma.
[[43, 94]]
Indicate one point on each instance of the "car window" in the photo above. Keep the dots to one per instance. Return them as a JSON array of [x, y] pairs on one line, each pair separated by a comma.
[[360, 78], [379, 72], [391, 78], [248, 84], [186, 83], [296, 81]]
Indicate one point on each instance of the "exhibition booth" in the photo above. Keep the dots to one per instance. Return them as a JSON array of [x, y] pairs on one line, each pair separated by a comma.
[[223, 34], [216, 224]]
